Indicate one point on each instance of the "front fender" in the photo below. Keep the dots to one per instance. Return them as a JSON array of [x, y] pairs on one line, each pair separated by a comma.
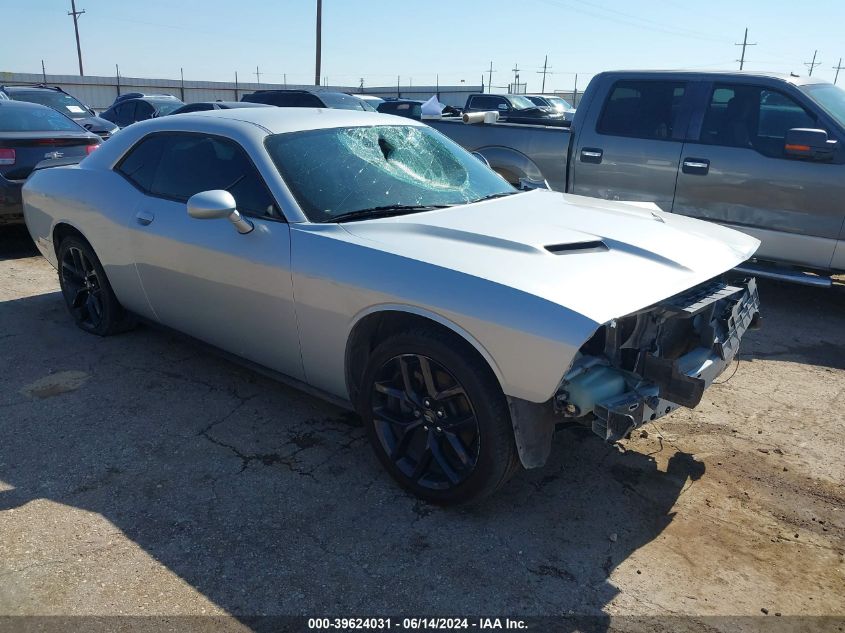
[[511, 164]]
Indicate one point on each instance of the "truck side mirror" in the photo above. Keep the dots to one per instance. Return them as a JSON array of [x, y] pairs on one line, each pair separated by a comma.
[[809, 144]]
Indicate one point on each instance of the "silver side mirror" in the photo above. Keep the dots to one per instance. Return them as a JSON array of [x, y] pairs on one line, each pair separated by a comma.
[[215, 205]]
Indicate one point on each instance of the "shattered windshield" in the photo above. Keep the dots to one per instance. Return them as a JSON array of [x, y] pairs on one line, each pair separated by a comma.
[[338, 171]]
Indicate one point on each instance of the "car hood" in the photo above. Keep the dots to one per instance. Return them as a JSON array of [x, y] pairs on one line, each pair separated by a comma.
[[600, 258]]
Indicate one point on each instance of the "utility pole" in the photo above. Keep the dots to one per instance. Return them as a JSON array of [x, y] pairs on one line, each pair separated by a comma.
[[236, 86], [257, 76], [744, 44], [44, 71], [544, 72], [489, 78], [811, 65], [515, 70], [837, 68], [319, 41], [361, 86], [76, 15], [182, 83]]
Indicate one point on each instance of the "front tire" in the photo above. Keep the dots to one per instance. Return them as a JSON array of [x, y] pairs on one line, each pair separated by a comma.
[[437, 418], [88, 295]]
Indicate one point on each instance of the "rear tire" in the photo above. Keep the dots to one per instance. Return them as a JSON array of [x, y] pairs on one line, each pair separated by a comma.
[[437, 418], [88, 295]]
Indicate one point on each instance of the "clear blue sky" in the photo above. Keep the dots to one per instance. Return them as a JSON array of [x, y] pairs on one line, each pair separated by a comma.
[[380, 39]]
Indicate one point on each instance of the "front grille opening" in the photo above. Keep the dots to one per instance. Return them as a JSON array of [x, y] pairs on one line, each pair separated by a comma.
[[594, 246]]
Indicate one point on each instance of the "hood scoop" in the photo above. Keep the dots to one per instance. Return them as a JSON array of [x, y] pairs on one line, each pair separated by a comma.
[[593, 246]]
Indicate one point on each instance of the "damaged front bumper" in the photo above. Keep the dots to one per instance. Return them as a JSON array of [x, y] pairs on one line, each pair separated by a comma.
[[643, 366]]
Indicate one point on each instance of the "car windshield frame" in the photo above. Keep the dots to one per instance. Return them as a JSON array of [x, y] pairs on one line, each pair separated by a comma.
[[53, 99], [348, 169], [828, 97]]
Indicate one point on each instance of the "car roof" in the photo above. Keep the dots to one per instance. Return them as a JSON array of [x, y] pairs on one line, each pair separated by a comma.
[[798, 80], [23, 105], [284, 120], [31, 88]]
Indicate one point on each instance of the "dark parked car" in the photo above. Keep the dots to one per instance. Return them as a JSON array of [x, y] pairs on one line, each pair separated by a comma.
[[308, 99], [132, 107], [59, 100], [205, 106], [514, 109], [29, 134], [559, 104], [410, 108]]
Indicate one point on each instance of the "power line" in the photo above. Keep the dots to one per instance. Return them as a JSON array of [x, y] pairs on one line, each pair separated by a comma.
[[744, 44], [811, 65], [76, 15], [837, 68]]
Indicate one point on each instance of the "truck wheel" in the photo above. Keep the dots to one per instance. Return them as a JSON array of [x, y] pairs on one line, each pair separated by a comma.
[[437, 418], [87, 292]]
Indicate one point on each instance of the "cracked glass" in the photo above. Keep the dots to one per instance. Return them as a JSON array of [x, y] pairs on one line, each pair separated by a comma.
[[337, 171]]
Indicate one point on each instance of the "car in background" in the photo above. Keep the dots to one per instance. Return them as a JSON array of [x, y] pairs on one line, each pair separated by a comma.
[[514, 109], [308, 99], [371, 99], [29, 134], [559, 104], [204, 106], [376, 262], [134, 106], [411, 108], [56, 98]]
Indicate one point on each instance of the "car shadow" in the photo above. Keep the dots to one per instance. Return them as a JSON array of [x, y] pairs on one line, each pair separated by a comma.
[[15, 242], [269, 501], [800, 324]]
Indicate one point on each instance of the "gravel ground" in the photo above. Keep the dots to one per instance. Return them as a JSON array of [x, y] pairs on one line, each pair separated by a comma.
[[141, 474]]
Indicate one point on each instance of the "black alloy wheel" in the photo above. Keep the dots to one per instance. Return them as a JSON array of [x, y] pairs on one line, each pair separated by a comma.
[[436, 417], [87, 292], [425, 421], [82, 289]]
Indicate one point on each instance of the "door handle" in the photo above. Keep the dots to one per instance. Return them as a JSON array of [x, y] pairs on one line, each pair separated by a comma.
[[144, 217], [591, 155], [696, 166]]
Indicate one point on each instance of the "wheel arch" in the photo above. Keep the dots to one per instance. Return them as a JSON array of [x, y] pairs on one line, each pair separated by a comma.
[[374, 324], [511, 164], [64, 229]]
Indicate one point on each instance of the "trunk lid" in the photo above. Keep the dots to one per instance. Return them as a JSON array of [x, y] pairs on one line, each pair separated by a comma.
[[33, 147]]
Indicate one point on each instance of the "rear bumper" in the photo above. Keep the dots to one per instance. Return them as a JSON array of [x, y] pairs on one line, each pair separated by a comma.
[[669, 384], [11, 203]]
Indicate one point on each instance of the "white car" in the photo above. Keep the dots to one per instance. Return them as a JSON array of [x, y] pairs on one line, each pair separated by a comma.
[[372, 260]]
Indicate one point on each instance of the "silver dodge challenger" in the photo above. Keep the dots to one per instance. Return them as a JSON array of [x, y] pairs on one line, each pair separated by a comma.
[[371, 260]]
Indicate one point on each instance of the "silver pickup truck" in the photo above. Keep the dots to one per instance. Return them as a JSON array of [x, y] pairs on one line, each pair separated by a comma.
[[762, 153]]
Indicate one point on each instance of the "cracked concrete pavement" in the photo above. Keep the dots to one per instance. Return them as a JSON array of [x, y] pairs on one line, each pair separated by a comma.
[[141, 474]]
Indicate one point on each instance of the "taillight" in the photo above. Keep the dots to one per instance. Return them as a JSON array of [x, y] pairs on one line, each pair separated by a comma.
[[90, 148], [7, 156]]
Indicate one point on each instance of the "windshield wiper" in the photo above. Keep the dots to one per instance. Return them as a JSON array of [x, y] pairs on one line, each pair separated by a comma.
[[493, 196], [385, 211]]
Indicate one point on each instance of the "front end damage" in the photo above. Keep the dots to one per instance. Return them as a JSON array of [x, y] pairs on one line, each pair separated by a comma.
[[643, 366]]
